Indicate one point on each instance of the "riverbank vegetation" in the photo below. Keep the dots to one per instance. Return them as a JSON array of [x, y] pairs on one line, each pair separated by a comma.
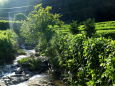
[[7, 46], [79, 53]]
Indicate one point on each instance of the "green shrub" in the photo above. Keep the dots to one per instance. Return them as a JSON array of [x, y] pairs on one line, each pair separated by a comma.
[[99, 68], [82, 61], [7, 44], [21, 52], [63, 52], [24, 62], [35, 64], [30, 63]]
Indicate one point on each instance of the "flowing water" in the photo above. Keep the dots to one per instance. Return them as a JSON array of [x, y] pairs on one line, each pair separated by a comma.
[[10, 75]]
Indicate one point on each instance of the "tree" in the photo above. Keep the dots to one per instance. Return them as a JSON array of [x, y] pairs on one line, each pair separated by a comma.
[[36, 28], [74, 27], [89, 25]]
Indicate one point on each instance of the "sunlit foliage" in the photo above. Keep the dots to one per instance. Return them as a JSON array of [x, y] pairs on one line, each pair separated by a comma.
[[82, 61], [7, 46], [35, 29]]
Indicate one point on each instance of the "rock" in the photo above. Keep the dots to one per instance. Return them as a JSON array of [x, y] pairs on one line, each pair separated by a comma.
[[7, 80], [2, 83], [40, 80], [18, 70], [14, 82], [51, 84], [35, 85], [14, 79], [28, 75]]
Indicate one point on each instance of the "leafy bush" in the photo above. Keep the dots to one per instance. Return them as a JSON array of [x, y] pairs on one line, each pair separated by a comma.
[[99, 53], [21, 52], [64, 54], [32, 64], [24, 62], [82, 61], [7, 44]]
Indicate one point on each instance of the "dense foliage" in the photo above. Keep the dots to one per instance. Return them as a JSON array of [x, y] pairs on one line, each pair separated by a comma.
[[80, 55], [78, 58], [7, 44], [82, 61], [36, 28]]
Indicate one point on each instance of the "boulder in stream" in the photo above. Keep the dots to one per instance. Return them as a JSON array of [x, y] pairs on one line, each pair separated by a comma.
[[2, 83]]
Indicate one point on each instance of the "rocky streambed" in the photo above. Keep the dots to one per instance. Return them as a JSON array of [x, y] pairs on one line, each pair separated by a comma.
[[15, 75]]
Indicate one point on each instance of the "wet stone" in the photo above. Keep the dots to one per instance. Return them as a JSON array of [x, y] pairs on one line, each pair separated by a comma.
[[18, 70], [14, 75], [2, 83]]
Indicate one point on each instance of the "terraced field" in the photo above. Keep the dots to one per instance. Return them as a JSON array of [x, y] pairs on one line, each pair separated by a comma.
[[102, 28]]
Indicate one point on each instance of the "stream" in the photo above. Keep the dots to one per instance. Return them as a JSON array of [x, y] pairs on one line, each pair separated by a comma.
[[13, 75]]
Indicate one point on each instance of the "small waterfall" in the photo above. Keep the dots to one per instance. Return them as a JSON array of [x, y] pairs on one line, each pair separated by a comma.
[[13, 75], [8, 69]]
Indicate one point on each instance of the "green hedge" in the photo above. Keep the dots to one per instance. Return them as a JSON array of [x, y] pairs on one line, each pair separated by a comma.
[[5, 24], [83, 62], [106, 33]]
